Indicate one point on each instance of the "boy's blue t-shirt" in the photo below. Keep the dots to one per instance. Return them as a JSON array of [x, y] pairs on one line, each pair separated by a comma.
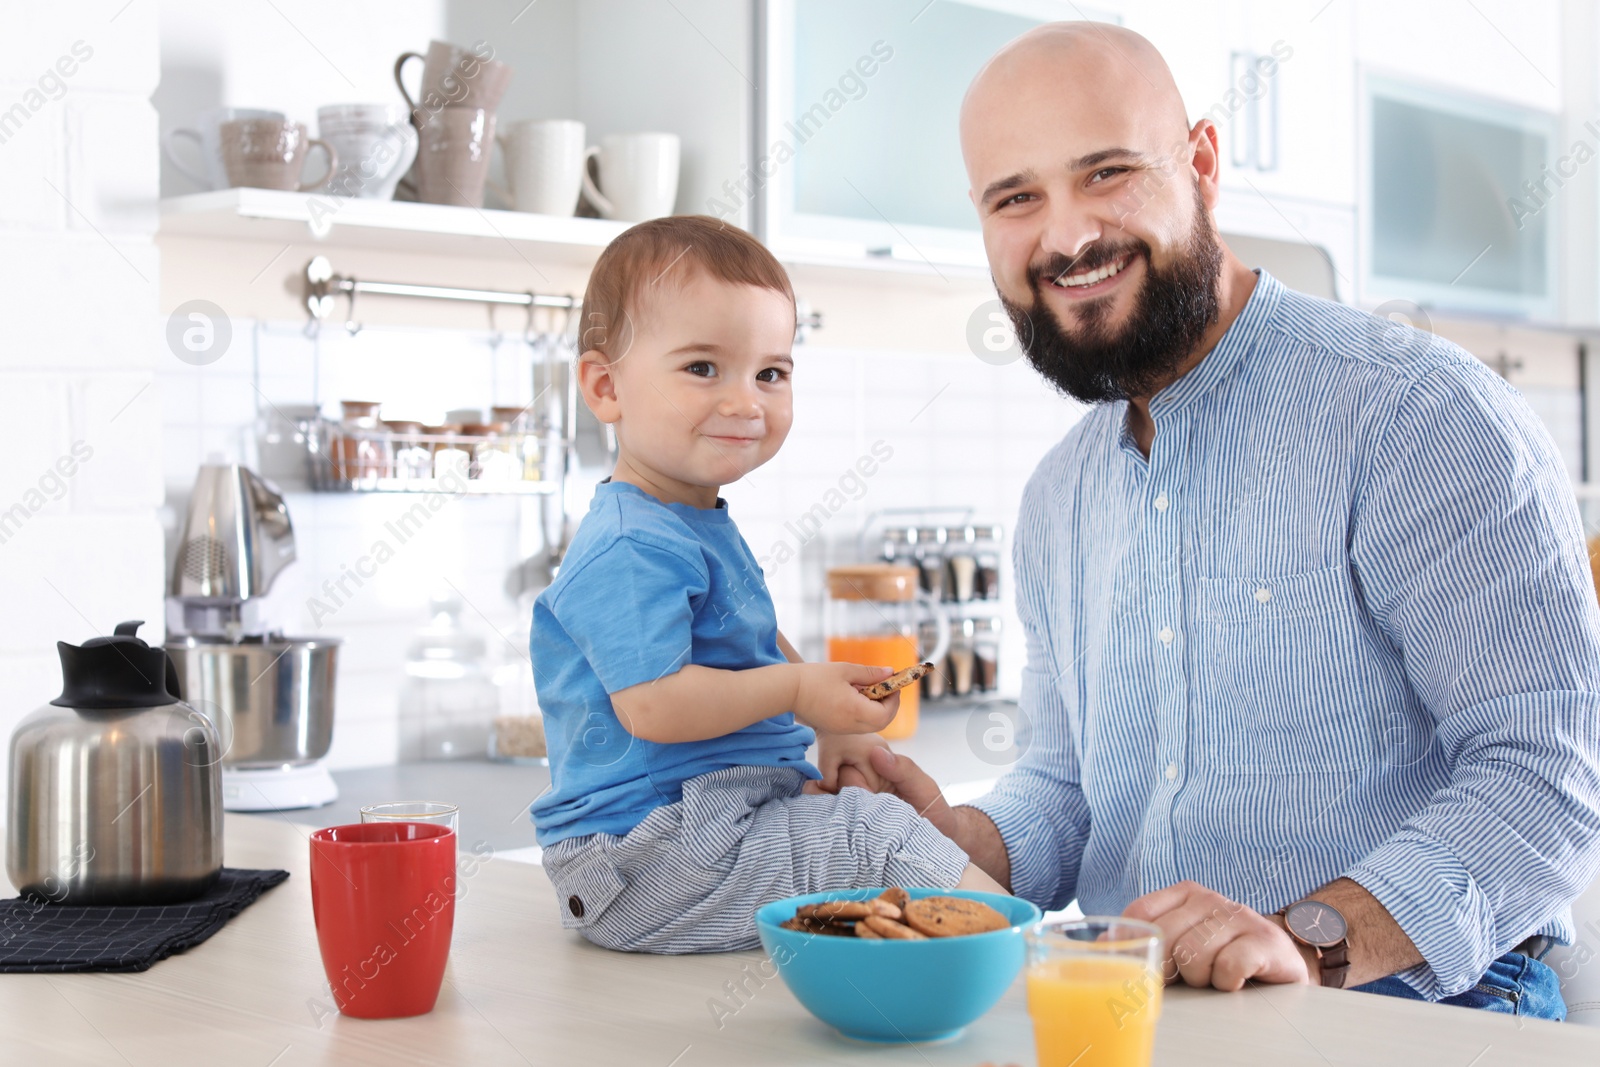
[[645, 588]]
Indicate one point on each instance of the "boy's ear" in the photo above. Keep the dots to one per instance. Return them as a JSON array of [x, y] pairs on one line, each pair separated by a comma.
[[598, 383]]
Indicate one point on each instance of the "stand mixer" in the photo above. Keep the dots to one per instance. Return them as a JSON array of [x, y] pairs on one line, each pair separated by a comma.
[[270, 696]]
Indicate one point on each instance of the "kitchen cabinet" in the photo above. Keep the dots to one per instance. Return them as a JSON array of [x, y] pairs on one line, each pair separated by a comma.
[[1506, 50], [859, 152], [1277, 78]]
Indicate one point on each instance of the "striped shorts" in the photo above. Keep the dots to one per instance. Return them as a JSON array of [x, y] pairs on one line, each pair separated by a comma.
[[691, 875]]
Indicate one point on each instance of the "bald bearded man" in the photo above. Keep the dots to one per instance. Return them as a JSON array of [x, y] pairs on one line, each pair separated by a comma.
[[1313, 651]]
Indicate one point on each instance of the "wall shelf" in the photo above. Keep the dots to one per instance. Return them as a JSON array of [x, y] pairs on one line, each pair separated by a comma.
[[336, 221]]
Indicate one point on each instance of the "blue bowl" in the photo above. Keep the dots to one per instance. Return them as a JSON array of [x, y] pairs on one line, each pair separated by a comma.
[[896, 991]]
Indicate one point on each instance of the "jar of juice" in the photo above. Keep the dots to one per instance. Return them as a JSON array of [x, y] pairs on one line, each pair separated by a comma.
[[874, 611]]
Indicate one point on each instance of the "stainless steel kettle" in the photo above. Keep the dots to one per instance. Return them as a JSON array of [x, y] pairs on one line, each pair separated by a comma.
[[116, 785]]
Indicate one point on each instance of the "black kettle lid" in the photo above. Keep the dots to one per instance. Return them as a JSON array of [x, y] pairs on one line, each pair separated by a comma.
[[119, 671]]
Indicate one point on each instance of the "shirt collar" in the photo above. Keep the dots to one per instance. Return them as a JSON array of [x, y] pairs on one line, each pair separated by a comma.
[[1219, 363], [608, 487]]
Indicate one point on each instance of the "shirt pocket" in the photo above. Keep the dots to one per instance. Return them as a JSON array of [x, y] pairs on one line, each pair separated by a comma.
[[1277, 660]]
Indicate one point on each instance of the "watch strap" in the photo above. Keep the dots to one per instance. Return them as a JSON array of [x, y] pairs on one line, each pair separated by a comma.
[[1335, 964]]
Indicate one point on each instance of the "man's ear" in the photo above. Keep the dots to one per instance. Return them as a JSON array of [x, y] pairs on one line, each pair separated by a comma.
[[1207, 161], [597, 381]]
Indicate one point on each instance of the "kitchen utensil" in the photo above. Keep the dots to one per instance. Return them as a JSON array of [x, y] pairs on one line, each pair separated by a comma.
[[207, 137], [376, 145], [872, 617], [423, 811], [271, 154], [639, 172], [1094, 991], [271, 696], [928, 990], [544, 161], [115, 786], [383, 899], [236, 539], [453, 76], [453, 160]]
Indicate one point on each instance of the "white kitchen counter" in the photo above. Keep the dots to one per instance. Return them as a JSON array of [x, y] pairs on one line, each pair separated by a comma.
[[520, 990]]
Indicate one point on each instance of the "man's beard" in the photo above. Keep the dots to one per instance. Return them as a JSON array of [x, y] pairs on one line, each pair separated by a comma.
[[1170, 315]]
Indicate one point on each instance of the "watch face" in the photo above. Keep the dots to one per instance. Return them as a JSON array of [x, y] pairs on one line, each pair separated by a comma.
[[1315, 923]]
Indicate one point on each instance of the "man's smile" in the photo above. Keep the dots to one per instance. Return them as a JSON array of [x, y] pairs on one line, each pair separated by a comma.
[[1083, 284]]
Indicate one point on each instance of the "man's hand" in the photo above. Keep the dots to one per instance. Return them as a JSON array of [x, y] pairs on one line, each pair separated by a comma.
[[845, 759], [828, 698], [1214, 941], [902, 777]]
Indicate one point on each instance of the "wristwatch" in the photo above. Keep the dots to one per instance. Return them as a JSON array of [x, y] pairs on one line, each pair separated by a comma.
[[1318, 924]]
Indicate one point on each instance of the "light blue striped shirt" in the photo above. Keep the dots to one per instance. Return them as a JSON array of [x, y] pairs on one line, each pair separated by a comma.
[[1340, 623]]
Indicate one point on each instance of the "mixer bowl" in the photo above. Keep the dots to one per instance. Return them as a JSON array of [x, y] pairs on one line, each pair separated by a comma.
[[270, 698]]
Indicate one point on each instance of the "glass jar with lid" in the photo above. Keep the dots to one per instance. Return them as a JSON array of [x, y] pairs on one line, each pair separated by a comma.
[[521, 440], [873, 614], [360, 457], [449, 694], [413, 459]]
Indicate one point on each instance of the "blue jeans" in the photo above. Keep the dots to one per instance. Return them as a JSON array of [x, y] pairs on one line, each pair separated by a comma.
[[1515, 984]]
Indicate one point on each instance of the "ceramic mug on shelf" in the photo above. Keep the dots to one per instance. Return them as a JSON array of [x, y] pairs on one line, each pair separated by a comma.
[[453, 156], [206, 134], [271, 154], [638, 173], [453, 76], [375, 144], [544, 160]]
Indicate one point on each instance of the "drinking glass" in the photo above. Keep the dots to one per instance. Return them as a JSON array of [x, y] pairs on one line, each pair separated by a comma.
[[1094, 991], [425, 811]]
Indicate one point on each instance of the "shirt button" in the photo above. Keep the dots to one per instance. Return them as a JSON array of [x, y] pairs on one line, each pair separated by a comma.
[[1165, 635], [1263, 594], [1172, 772], [1161, 502]]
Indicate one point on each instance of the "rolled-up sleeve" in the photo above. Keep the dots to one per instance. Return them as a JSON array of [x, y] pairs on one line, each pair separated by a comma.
[[1039, 806], [1468, 550]]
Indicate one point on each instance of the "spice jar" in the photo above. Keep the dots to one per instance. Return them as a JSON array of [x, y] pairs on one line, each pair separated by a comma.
[[492, 454], [986, 655], [412, 458], [872, 617], [523, 440], [361, 456], [451, 457]]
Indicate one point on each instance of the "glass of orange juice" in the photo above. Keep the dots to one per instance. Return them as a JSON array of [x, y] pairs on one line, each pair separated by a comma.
[[1094, 991]]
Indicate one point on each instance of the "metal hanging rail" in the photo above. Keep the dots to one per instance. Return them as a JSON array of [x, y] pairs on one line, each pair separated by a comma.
[[323, 286]]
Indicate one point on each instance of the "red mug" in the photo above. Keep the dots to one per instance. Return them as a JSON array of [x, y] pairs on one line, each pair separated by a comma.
[[383, 897]]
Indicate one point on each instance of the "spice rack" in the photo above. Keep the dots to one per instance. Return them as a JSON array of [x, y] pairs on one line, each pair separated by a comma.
[[958, 564], [383, 461], [527, 455]]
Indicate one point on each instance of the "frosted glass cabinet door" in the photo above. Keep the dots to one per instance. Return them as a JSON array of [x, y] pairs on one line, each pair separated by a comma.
[[861, 148]]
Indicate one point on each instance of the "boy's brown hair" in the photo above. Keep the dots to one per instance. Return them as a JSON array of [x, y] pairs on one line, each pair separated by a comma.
[[659, 255]]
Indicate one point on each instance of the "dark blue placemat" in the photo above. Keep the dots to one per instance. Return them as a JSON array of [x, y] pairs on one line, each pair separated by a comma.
[[42, 938]]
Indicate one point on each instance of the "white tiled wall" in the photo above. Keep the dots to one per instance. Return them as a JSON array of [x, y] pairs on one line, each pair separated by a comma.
[[962, 434], [79, 551]]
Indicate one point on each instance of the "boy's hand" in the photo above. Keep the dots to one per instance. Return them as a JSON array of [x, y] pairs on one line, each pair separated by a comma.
[[844, 759], [828, 698]]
